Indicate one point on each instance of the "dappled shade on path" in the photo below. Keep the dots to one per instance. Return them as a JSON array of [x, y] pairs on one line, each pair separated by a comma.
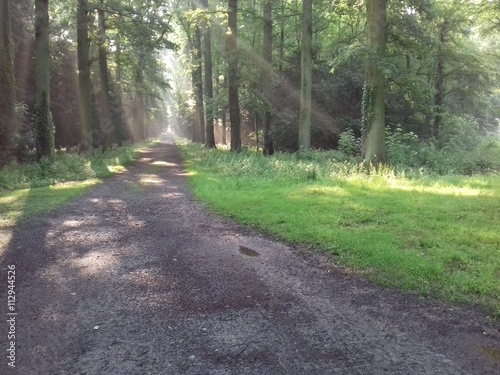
[[137, 278]]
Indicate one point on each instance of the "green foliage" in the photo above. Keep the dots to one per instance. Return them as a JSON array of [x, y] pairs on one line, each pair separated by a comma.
[[349, 145], [462, 149], [436, 236], [285, 131], [301, 166], [66, 167], [402, 148], [487, 157]]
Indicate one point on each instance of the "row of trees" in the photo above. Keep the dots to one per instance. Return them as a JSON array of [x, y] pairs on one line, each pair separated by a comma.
[[300, 74], [282, 75], [85, 74]]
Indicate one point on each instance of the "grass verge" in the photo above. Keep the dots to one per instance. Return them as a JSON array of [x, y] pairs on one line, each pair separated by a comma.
[[19, 205], [29, 190], [435, 236]]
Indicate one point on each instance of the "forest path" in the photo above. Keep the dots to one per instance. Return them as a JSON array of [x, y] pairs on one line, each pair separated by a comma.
[[137, 278]]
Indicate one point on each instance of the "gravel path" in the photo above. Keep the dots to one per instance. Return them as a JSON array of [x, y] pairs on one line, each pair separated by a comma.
[[137, 278]]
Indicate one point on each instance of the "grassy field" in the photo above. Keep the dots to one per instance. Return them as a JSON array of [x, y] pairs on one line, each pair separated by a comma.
[[435, 236], [28, 190]]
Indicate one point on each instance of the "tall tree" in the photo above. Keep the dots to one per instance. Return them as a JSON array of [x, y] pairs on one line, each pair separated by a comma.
[[7, 82], [43, 123], [234, 105], [282, 36], [139, 113], [306, 77], [268, 148], [440, 84], [106, 120], [85, 84], [197, 77], [209, 87], [373, 110], [117, 112]]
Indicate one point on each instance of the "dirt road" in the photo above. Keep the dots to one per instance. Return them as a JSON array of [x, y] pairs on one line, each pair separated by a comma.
[[137, 278]]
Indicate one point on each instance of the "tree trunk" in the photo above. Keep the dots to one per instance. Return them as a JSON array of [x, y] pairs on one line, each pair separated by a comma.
[[43, 124], [7, 83], [282, 36], [85, 84], [224, 124], [209, 87], [197, 77], [118, 116], [139, 102], [439, 97], [195, 127], [306, 77], [268, 147], [106, 121], [258, 126], [223, 112], [195, 130], [234, 105], [373, 116]]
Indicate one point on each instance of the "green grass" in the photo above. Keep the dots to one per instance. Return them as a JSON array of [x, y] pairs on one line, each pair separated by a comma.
[[435, 236], [67, 167], [19, 205], [29, 190]]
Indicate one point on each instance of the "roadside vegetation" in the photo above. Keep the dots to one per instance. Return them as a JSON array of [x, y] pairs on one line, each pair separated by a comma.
[[30, 189], [415, 231]]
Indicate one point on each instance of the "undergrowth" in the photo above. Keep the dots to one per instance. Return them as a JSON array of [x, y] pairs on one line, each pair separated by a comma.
[[32, 189], [66, 167]]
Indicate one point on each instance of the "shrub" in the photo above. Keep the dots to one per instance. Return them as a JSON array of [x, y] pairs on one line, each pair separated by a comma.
[[402, 148], [349, 145], [488, 154]]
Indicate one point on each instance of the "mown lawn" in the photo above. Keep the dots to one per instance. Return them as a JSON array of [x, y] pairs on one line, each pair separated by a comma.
[[435, 236]]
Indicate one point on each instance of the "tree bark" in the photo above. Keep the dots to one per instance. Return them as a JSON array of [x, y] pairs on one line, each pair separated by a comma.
[[224, 125], [373, 111], [7, 82], [223, 112], [439, 97], [209, 87], [117, 99], [258, 125], [195, 128], [106, 121], [43, 124], [199, 84], [140, 130], [268, 147], [306, 77], [233, 80], [282, 36], [85, 85], [197, 80]]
